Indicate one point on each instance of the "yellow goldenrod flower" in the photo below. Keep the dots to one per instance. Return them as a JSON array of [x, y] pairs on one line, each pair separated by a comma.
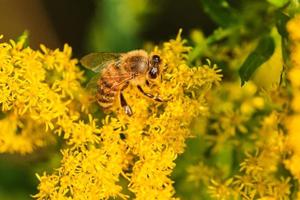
[[247, 119], [141, 148], [222, 191], [37, 90], [293, 28], [293, 120], [200, 173]]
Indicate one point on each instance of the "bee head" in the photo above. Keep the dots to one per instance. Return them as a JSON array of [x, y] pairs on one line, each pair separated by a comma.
[[154, 67]]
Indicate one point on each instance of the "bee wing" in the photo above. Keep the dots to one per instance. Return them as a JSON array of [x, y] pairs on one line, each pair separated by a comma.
[[97, 61], [91, 86]]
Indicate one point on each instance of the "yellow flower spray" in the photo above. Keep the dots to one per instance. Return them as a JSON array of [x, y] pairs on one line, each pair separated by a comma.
[[275, 139], [37, 90], [293, 120], [41, 95]]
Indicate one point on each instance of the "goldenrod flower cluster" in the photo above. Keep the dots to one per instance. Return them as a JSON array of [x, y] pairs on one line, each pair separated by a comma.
[[41, 95], [244, 120], [252, 135], [293, 120], [38, 90]]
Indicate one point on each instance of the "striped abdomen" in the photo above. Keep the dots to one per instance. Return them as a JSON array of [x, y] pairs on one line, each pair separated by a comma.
[[109, 86], [105, 95]]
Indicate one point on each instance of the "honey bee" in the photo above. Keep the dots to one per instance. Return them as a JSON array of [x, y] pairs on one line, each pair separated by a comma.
[[116, 71]]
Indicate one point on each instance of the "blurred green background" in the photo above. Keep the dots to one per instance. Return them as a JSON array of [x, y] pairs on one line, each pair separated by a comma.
[[103, 25]]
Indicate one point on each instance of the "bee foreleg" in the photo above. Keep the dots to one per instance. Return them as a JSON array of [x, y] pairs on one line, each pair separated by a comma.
[[125, 106], [149, 95]]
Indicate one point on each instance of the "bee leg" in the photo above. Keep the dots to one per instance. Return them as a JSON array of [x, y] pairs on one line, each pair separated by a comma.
[[147, 83], [149, 95], [125, 106]]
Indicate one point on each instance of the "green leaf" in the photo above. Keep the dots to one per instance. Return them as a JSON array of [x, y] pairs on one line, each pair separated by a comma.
[[261, 54], [278, 3], [281, 20], [220, 12], [24, 38]]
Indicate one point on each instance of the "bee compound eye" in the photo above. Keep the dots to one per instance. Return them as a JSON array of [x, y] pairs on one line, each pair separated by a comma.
[[156, 59]]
